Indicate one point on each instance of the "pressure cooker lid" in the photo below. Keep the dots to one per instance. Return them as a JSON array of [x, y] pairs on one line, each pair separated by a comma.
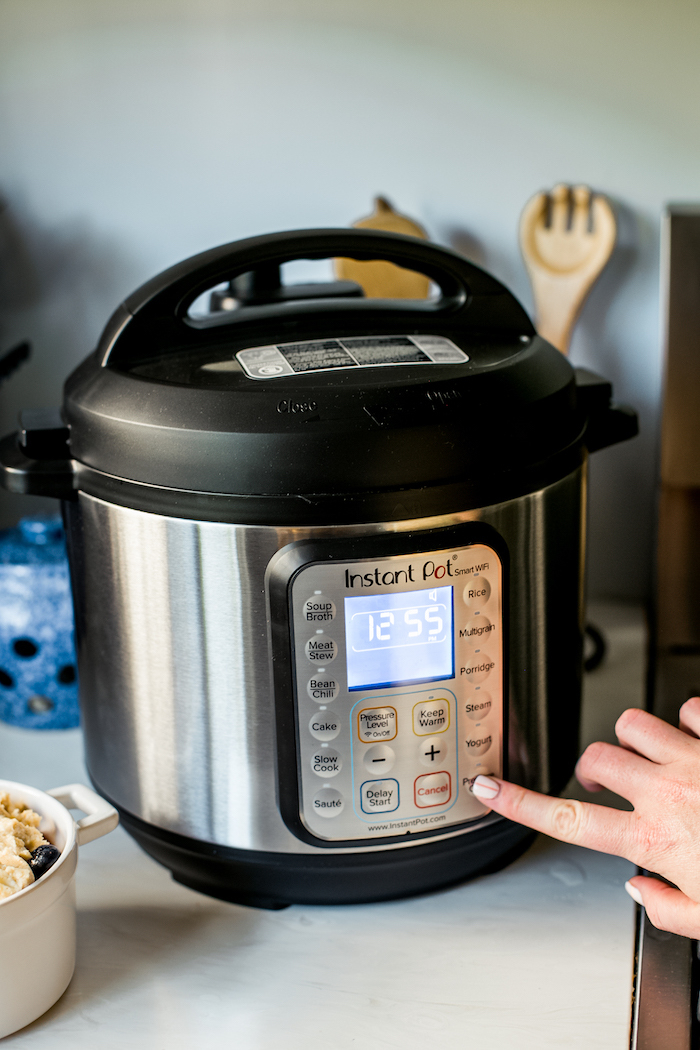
[[305, 395]]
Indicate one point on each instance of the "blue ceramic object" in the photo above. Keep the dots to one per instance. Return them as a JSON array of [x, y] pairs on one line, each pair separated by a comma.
[[38, 683]]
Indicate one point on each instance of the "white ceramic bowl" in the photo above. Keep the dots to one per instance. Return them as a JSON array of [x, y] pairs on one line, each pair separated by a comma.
[[37, 925]]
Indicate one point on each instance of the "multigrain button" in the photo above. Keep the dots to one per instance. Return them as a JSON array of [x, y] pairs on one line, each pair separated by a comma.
[[433, 751], [324, 726], [376, 723], [379, 759], [379, 796], [478, 744], [433, 716], [320, 649], [477, 668], [477, 592], [328, 803], [318, 609], [326, 762], [323, 690], [432, 789], [478, 707], [477, 630]]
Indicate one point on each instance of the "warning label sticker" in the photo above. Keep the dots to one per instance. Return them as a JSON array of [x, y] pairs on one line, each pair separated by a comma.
[[319, 355]]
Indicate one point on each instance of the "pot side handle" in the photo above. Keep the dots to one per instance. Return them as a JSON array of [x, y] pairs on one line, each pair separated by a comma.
[[101, 816]]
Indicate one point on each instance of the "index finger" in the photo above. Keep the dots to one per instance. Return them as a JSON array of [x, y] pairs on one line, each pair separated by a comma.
[[566, 819]]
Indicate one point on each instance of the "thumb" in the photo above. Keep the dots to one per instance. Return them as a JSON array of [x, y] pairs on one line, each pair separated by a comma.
[[667, 908]]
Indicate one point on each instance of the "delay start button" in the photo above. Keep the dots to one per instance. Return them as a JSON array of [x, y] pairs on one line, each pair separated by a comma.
[[318, 609], [326, 762], [432, 789], [328, 803], [320, 649], [379, 796]]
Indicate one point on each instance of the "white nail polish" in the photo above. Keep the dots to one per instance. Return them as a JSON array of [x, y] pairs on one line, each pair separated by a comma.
[[634, 893], [485, 787]]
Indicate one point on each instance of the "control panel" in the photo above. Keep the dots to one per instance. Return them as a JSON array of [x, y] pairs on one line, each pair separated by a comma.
[[398, 694]]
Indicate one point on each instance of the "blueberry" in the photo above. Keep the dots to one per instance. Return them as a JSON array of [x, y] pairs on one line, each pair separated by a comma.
[[42, 858]]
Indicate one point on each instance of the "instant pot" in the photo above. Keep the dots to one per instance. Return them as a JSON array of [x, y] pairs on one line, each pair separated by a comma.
[[327, 561]]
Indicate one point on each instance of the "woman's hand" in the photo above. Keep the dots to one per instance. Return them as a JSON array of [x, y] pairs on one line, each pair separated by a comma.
[[657, 768]]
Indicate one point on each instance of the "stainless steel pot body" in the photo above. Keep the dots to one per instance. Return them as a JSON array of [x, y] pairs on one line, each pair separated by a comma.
[[175, 667]]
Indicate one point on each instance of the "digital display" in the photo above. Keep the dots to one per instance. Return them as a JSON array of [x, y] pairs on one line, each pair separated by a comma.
[[397, 639]]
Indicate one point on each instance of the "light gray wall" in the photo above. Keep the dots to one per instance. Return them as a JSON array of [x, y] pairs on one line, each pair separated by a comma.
[[135, 133]]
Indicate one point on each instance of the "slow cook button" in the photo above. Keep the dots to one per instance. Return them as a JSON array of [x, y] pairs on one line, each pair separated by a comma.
[[323, 690], [318, 609], [479, 744], [326, 762], [376, 723], [477, 668], [477, 592], [379, 796], [328, 803], [320, 649], [432, 789], [324, 727]]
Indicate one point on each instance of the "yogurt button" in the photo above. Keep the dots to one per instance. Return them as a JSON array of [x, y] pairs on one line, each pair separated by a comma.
[[322, 690], [328, 803], [477, 592], [324, 726], [478, 744], [326, 762], [320, 649]]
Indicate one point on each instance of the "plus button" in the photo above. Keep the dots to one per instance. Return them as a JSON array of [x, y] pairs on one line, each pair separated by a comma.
[[432, 754]]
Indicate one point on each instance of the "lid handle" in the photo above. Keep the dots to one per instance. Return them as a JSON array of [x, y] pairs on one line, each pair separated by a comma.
[[155, 317]]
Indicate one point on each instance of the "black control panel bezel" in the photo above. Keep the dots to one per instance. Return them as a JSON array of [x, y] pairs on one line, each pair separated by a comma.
[[282, 570]]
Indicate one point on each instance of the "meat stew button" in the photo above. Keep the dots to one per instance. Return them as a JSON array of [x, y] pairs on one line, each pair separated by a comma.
[[328, 803], [432, 789], [320, 649]]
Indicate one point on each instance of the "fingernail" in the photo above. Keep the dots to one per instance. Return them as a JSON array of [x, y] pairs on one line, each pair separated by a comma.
[[485, 787], [634, 893]]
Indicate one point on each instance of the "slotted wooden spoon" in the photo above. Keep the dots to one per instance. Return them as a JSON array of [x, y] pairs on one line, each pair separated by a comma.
[[566, 237]]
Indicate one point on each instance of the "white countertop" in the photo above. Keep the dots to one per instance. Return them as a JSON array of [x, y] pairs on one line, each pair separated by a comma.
[[538, 955]]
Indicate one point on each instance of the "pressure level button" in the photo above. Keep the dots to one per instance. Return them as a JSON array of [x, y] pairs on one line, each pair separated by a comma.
[[318, 609], [322, 690], [320, 649], [326, 762]]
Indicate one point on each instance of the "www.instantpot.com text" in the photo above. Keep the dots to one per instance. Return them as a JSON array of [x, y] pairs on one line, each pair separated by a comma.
[[401, 826]]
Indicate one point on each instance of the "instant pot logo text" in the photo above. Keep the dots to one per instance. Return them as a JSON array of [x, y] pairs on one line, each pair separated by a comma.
[[429, 570]]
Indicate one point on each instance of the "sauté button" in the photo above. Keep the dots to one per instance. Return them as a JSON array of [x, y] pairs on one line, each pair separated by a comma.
[[376, 723], [326, 762], [324, 726], [431, 716], [432, 789], [478, 707], [477, 592], [433, 751], [318, 609], [479, 744], [320, 649], [477, 630], [328, 803], [322, 690], [477, 668], [379, 796], [379, 759]]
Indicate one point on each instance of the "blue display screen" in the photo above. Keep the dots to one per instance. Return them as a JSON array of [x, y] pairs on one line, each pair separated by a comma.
[[397, 639]]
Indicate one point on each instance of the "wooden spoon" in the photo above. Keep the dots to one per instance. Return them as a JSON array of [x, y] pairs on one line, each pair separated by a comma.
[[378, 278], [566, 237]]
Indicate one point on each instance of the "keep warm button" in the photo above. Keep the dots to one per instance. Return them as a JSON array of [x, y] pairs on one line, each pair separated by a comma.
[[433, 789]]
